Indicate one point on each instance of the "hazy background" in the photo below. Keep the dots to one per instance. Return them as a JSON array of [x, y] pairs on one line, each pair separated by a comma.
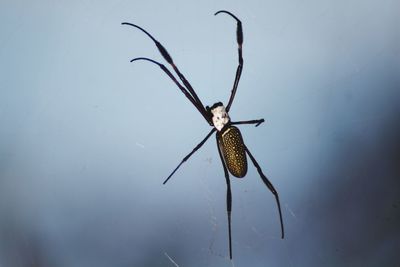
[[87, 138]]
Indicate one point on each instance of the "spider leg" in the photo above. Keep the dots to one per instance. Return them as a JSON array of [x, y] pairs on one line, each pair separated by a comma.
[[239, 38], [168, 58], [183, 89], [256, 122], [228, 198], [190, 154], [269, 185]]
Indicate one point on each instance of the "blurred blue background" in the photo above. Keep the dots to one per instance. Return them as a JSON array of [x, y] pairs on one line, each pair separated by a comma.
[[87, 138]]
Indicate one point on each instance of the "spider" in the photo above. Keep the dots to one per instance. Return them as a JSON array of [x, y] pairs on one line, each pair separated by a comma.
[[231, 148]]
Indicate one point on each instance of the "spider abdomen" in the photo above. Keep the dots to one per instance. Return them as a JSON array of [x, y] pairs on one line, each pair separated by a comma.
[[233, 150]]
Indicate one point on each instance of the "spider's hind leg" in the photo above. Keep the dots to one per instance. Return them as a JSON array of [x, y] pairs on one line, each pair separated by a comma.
[[270, 187], [228, 197]]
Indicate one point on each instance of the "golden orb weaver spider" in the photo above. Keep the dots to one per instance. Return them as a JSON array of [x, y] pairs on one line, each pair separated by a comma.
[[231, 148]]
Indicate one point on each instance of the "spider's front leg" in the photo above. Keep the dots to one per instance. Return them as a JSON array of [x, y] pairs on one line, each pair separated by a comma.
[[239, 39], [187, 89]]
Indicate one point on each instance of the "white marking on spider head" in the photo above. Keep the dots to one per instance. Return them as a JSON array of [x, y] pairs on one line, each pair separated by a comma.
[[220, 117]]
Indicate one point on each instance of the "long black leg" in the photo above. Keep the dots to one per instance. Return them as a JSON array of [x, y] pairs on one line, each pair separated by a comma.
[[239, 37], [168, 58], [269, 185], [190, 154], [256, 122], [228, 198], [183, 89]]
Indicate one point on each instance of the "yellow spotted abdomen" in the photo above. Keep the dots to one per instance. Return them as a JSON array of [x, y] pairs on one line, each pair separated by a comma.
[[233, 151]]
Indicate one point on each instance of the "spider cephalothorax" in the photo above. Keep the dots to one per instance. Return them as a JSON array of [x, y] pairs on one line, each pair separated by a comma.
[[231, 148], [219, 115]]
